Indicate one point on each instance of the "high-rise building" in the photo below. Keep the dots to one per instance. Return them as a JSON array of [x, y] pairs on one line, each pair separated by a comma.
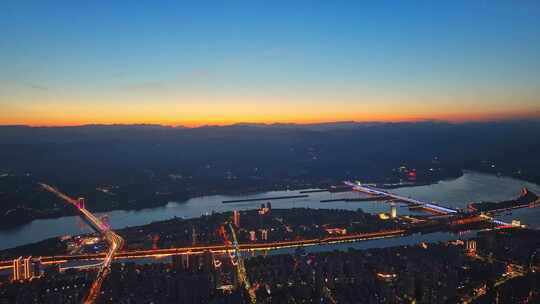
[[236, 218], [393, 211], [81, 202], [193, 236], [18, 269], [25, 268], [177, 262], [208, 261], [27, 265], [183, 262], [269, 205], [470, 247], [264, 209], [252, 236], [264, 234], [36, 267]]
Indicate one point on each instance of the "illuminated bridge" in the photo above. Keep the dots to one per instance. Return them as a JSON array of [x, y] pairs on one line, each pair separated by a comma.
[[114, 240], [430, 207]]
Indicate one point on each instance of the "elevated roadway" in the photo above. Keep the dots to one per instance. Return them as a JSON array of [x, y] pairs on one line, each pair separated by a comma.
[[114, 240], [431, 207], [250, 247]]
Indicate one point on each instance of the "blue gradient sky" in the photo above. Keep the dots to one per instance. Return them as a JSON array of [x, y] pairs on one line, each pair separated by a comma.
[[76, 62]]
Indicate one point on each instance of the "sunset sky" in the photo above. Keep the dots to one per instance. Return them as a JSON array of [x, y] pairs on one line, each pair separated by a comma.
[[220, 62]]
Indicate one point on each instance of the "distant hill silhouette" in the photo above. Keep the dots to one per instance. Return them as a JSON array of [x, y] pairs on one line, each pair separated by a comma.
[[151, 164]]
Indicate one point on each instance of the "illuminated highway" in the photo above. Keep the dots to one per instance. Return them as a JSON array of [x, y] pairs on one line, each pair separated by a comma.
[[114, 240], [241, 268], [117, 242], [157, 253]]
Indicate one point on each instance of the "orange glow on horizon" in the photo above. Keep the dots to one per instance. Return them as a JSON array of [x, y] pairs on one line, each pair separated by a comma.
[[226, 111], [452, 118], [208, 107]]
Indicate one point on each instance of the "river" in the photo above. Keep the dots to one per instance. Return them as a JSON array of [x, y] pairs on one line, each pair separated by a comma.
[[472, 186]]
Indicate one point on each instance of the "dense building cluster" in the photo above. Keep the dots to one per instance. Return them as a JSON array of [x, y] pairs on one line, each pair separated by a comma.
[[54, 286], [395, 275], [262, 225], [428, 273], [158, 283], [486, 269], [253, 226]]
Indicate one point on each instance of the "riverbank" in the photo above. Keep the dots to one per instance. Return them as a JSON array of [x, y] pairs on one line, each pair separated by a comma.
[[455, 193], [303, 226], [18, 217]]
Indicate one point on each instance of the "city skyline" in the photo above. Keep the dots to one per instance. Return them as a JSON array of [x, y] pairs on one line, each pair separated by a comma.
[[308, 151], [196, 64]]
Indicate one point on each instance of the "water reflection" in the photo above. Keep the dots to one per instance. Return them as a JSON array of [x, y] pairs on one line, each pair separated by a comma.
[[471, 186]]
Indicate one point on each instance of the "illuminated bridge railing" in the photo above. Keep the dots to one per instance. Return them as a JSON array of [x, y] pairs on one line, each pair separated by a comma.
[[498, 222], [440, 208], [401, 198]]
